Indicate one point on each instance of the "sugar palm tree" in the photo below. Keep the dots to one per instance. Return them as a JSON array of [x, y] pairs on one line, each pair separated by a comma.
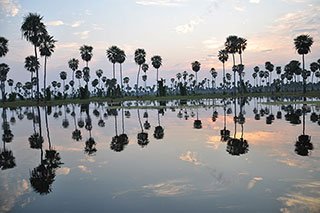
[[231, 46], [223, 57], [156, 62], [73, 65], [314, 66], [196, 68], [33, 29], [32, 65], [303, 44], [3, 46], [121, 57], [86, 53], [139, 58], [145, 68], [63, 77], [4, 69], [46, 48], [214, 75], [112, 55], [241, 46]]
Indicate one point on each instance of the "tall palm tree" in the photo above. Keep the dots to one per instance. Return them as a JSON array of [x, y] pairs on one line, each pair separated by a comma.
[[231, 46], [139, 58], [46, 49], [303, 44], [112, 55], [223, 57], [4, 69], [3, 46], [156, 62], [33, 29], [196, 68], [241, 46], [86, 53], [121, 57]]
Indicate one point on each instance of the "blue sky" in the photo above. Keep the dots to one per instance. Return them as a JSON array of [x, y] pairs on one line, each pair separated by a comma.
[[181, 31]]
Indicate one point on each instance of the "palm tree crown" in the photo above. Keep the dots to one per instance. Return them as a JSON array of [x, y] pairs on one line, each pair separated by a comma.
[[47, 45], [140, 56], [223, 55], [156, 61], [33, 28], [195, 66], [231, 44], [73, 64], [3, 46], [112, 53], [303, 43], [86, 53]]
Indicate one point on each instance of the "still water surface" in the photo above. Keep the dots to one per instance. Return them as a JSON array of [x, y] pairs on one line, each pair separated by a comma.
[[92, 160]]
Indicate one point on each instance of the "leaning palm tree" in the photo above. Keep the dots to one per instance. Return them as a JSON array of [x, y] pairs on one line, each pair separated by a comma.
[[156, 63], [196, 68], [231, 46], [223, 57], [112, 55], [86, 53], [33, 29], [3, 46], [303, 44], [139, 58], [121, 57], [46, 49]]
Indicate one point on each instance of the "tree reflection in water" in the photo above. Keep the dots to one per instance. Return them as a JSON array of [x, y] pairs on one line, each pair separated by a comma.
[[304, 145], [159, 130], [118, 142], [142, 136], [7, 160]]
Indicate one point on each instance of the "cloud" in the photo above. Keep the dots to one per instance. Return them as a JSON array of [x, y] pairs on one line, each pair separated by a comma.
[[83, 34], [253, 182], [239, 8], [10, 7], [212, 43], [255, 1], [76, 23], [160, 2], [189, 27], [63, 171], [55, 23], [84, 169]]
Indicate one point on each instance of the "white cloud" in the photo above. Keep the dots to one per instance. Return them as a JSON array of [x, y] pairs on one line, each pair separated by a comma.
[[63, 171], [189, 27], [160, 2], [55, 23], [76, 23], [84, 169], [253, 182], [255, 1], [10, 7], [169, 188], [83, 34], [190, 157]]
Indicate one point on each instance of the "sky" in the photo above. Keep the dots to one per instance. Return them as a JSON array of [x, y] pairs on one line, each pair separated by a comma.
[[180, 31]]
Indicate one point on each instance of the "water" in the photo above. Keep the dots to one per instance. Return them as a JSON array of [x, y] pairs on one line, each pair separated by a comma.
[[187, 169]]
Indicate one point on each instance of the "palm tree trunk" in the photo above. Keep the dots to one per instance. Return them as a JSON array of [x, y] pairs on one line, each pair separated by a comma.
[[113, 70], [140, 121], [224, 77], [47, 127], [303, 72], [234, 76], [45, 74], [116, 124], [158, 83], [122, 116], [37, 73], [121, 77], [138, 79]]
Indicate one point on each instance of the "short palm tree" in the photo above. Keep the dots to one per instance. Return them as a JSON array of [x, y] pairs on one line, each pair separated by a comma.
[[214, 75], [46, 48], [73, 65], [303, 44], [223, 57], [33, 29], [196, 68], [86, 53], [139, 58], [3, 46], [145, 68]]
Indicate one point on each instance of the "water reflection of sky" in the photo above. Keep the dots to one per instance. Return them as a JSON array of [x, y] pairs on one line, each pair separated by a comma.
[[189, 170]]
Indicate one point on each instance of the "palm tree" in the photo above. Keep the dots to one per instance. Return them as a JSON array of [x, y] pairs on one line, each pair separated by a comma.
[[223, 57], [3, 46], [214, 74], [139, 58], [121, 57], [46, 49], [242, 44], [33, 29], [63, 76], [314, 66], [32, 65], [156, 63], [303, 44], [86, 53], [73, 65], [4, 69], [196, 67], [231, 46], [112, 55], [145, 68], [269, 67]]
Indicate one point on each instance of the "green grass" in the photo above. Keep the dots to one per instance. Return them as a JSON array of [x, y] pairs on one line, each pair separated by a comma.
[[154, 98]]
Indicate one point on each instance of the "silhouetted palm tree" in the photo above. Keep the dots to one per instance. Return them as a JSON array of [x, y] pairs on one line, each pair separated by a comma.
[[223, 57], [303, 44], [46, 48], [139, 58], [3, 46], [142, 136], [214, 75], [196, 68], [4, 69], [156, 62], [32, 65], [231, 46], [73, 65], [63, 77], [159, 130], [33, 29], [121, 57], [86, 53], [112, 55]]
